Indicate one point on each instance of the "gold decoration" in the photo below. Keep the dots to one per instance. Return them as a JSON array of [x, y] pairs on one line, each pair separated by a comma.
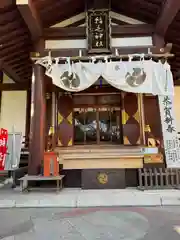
[[136, 116], [125, 117], [102, 178], [151, 142], [153, 158], [126, 140], [139, 141], [69, 118], [147, 128], [60, 118], [59, 142], [48, 96], [70, 142], [51, 131]]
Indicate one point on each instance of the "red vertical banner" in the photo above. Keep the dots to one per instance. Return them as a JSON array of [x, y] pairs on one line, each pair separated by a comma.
[[3, 147]]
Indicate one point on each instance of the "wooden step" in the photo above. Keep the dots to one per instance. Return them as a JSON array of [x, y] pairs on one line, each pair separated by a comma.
[[99, 156], [80, 150]]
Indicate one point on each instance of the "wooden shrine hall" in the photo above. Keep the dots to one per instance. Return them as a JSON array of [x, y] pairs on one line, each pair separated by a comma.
[[102, 133]]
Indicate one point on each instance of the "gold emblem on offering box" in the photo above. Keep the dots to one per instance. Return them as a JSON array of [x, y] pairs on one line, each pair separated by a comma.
[[102, 178]]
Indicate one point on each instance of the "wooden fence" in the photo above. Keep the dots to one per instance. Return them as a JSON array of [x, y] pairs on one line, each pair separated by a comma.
[[158, 178]]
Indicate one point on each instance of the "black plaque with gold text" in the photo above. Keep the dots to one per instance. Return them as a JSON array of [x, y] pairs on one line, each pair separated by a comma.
[[98, 31]]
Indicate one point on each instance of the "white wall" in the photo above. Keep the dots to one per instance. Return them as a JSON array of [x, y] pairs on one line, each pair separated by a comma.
[[115, 42], [13, 109]]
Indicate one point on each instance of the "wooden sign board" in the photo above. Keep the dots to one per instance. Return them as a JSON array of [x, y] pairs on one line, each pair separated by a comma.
[[98, 31]]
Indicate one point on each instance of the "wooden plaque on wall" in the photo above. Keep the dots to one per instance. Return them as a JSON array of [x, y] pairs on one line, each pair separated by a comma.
[[98, 31]]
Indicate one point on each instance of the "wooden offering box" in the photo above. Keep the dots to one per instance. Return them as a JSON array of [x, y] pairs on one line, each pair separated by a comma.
[[51, 164]]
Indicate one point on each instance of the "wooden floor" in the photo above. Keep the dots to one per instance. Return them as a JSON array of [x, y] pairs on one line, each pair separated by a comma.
[[100, 156]]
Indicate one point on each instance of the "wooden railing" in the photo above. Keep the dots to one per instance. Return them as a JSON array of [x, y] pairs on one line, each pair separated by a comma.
[[158, 178]]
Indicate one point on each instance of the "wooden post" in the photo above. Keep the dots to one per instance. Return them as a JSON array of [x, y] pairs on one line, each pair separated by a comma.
[[37, 136], [142, 120], [53, 119]]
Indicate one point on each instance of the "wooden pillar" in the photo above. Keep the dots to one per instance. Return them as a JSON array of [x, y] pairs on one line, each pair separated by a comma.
[[53, 119], [37, 136], [48, 131], [142, 121]]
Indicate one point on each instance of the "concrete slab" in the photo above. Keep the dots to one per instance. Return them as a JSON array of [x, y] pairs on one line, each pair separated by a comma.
[[89, 198], [170, 201], [5, 203], [31, 203], [104, 199], [146, 199], [59, 201]]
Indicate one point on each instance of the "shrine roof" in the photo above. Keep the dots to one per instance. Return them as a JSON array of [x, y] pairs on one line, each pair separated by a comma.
[[17, 36]]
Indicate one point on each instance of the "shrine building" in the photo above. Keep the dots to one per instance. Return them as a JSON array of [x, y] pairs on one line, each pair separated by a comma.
[[97, 82]]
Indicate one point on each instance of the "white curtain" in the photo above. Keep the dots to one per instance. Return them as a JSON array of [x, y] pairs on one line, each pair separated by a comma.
[[144, 76]]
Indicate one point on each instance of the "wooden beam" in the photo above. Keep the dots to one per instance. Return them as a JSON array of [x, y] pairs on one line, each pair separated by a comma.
[[64, 33], [15, 42], [6, 3], [31, 17], [20, 60], [9, 71], [13, 35], [121, 51], [57, 5], [18, 47], [168, 13], [136, 30], [10, 27], [72, 21], [80, 32], [9, 16], [100, 4], [14, 55]]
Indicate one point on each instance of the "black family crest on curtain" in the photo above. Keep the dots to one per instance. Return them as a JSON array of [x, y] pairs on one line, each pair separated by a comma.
[[98, 31], [136, 78]]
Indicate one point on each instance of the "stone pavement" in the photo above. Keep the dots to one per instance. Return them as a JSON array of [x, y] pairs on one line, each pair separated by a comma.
[[89, 198], [110, 223]]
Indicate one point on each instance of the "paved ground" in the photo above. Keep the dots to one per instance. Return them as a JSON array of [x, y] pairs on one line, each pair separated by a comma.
[[89, 198], [158, 223]]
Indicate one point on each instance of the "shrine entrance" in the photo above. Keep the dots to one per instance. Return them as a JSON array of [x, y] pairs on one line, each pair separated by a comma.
[[97, 119]]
